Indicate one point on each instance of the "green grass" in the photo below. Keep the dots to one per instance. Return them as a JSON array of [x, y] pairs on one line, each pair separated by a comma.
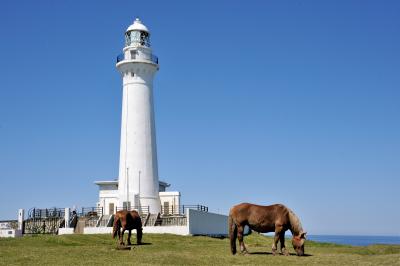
[[165, 249]]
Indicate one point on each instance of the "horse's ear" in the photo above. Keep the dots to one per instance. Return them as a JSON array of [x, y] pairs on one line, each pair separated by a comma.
[[303, 235]]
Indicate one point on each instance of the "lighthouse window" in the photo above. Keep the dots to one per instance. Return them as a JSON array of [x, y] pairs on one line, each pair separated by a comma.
[[144, 39], [134, 37], [137, 38], [127, 39]]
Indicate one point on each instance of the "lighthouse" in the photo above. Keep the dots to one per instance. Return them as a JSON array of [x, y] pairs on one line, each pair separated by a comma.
[[138, 184]]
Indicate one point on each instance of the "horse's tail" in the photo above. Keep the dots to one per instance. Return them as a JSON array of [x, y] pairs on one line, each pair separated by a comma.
[[232, 234], [116, 226]]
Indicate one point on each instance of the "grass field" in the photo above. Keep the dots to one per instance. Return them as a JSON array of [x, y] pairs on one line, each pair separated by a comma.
[[181, 250]]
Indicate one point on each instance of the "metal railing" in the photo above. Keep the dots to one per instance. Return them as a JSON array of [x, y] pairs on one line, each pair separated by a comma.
[[173, 220], [9, 224], [35, 213], [90, 212], [181, 209], [141, 210], [153, 58], [120, 58]]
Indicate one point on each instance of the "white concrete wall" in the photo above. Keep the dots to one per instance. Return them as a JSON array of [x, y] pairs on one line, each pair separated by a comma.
[[207, 223], [10, 233], [97, 230], [176, 230], [65, 231]]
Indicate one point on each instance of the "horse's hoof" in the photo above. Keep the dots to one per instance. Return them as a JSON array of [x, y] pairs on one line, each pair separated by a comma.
[[123, 248], [285, 252], [244, 253]]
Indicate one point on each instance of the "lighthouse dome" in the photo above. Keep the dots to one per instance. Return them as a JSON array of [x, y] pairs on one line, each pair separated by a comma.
[[137, 34], [137, 25]]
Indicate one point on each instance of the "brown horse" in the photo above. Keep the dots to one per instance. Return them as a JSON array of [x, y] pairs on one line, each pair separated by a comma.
[[127, 220], [275, 218]]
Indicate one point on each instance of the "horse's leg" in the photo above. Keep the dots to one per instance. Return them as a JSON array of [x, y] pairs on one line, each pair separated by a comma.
[[121, 239], [240, 230], [119, 235], [276, 239], [282, 240], [129, 237], [139, 234]]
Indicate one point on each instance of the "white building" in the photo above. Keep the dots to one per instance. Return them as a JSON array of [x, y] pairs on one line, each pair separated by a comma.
[[138, 186], [108, 197]]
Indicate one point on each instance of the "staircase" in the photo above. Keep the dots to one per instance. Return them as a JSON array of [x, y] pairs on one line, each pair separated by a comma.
[[110, 221], [103, 221], [158, 221], [153, 220]]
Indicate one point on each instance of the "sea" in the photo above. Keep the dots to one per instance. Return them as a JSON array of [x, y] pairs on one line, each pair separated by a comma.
[[356, 240]]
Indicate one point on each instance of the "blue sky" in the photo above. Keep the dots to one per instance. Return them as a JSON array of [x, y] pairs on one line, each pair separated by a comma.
[[294, 102]]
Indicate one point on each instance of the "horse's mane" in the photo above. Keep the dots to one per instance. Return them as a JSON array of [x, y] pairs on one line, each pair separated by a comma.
[[295, 223]]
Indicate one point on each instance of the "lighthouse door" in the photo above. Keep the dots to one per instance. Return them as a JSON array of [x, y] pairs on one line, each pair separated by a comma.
[[166, 207], [111, 208]]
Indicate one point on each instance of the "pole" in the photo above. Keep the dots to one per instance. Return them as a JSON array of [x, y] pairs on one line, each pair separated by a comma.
[[127, 189]]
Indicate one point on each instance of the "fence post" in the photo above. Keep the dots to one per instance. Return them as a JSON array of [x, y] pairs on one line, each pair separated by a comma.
[[21, 216], [66, 217]]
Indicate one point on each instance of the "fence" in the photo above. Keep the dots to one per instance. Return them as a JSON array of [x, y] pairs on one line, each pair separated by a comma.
[[49, 220], [142, 210], [90, 212], [173, 221], [35, 213], [181, 209]]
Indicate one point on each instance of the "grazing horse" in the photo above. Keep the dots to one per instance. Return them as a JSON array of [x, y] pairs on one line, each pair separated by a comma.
[[127, 220], [274, 218]]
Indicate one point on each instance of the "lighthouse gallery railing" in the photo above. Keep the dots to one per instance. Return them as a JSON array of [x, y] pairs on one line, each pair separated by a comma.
[[153, 58]]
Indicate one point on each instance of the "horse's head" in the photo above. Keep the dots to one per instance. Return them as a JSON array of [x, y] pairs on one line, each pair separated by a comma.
[[298, 243]]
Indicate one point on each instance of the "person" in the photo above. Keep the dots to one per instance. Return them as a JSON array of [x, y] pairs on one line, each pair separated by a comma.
[[74, 219]]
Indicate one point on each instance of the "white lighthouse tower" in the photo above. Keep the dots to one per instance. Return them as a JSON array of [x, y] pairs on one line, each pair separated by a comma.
[[138, 184]]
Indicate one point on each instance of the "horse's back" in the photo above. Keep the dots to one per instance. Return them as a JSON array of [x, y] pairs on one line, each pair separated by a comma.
[[241, 212], [252, 214], [128, 219]]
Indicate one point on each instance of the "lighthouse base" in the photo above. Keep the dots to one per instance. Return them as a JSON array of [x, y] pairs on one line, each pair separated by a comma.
[[197, 223]]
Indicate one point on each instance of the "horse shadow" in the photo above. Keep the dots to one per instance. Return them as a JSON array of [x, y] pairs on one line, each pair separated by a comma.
[[143, 244], [270, 253], [260, 253]]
